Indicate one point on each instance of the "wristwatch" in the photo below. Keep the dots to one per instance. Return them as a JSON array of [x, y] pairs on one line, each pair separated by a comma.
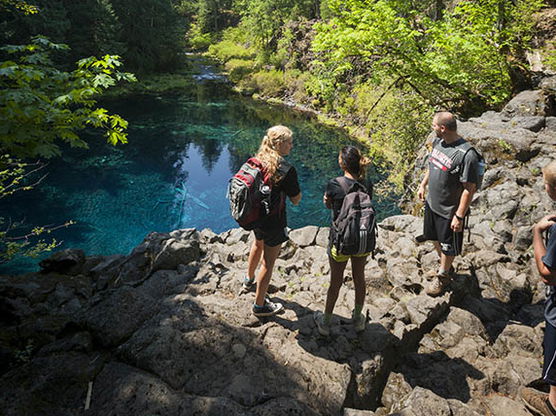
[[458, 217]]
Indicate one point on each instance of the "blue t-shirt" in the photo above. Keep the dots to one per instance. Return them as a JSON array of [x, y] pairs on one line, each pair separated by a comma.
[[549, 260]]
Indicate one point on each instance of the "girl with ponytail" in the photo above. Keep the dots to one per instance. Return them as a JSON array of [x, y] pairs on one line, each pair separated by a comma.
[[354, 166], [269, 237]]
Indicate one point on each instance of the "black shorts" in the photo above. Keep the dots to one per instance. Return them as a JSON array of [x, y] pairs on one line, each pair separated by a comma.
[[549, 364], [273, 236], [437, 228]]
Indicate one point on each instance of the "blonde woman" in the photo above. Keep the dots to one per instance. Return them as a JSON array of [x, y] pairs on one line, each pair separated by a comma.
[[353, 165], [276, 144]]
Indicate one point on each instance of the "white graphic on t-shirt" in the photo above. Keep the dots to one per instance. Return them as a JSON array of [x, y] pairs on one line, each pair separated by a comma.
[[440, 160]]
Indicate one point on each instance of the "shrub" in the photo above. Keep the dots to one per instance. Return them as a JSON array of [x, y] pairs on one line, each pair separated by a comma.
[[238, 69], [549, 58], [295, 81], [197, 39], [227, 50], [270, 83]]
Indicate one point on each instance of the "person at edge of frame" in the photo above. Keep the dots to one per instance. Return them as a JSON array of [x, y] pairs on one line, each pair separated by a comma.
[[545, 260]]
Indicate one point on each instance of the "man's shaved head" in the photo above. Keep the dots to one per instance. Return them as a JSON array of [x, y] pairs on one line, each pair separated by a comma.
[[447, 120]]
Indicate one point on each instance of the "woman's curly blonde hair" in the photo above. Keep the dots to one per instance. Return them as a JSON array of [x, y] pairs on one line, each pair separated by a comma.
[[269, 154]]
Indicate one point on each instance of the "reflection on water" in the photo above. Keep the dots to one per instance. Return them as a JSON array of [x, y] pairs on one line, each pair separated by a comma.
[[173, 173]]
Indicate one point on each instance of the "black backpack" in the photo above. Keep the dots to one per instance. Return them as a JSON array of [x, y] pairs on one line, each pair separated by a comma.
[[354, 230]]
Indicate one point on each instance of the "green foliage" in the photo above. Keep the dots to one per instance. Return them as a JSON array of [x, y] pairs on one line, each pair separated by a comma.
[[197, 39], [152, 34], [229, 49], [264, 20], [15, 238], [41, 105], [269, 83], [148, 34], [238, 69], [295, 81], [549, 58], [19, 5], [396, 122], [455, 61]]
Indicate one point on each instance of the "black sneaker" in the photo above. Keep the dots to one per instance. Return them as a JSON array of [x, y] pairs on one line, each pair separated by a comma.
[[248, 284], [268, 309]]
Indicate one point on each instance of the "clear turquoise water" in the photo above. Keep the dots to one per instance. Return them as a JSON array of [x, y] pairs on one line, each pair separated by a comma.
[[173, 173]]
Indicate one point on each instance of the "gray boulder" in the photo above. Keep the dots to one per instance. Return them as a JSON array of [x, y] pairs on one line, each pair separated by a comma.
[[305, 236], [527, 103]]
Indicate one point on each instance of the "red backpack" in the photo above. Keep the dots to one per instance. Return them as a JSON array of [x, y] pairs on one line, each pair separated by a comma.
[[249, 194]]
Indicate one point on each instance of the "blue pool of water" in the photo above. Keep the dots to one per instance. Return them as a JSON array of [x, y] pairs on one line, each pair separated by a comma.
[[173, 173]]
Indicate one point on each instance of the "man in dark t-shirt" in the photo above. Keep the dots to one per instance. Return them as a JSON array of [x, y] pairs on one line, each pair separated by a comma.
[[545, 260], [452, 180]]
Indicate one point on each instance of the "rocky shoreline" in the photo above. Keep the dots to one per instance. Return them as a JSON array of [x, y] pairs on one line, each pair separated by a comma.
[[167, 330]]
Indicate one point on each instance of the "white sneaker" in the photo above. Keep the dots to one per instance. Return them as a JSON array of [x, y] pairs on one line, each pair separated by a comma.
[[322, 326], [358, 321]]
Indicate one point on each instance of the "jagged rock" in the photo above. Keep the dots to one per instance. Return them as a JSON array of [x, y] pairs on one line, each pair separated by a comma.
[[503, 406], [461, 335], [423, 309], [125, 391], [403, 272], [527, 103], [52, 385], [550, 123], [176, 252], [461, 409], [235, 235], [518, 339], [80, 342], [209, 236], [522, 238], [534, 123], [403, 223], [487, 310], [501, 142], [323, 237], [65, 261], [548, 85], [305, 236], [356, 412], [396, 389], [116, 318], [425, 402]]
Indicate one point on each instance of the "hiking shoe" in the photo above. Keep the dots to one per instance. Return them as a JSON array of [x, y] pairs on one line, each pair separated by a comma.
[[536, 401], [248, 284], [439, 284], [268, 309], [358, 321], [322, 326]]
